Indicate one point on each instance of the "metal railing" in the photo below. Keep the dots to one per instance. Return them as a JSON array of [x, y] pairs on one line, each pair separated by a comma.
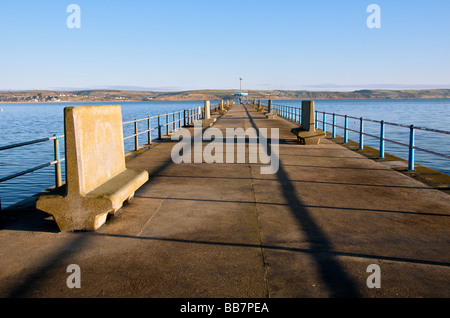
[[294, 114], [168, 122], [288, 112], [56, 162], [381, 137]]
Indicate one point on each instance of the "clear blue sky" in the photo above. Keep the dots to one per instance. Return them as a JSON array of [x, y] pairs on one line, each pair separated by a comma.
[[202, 44]]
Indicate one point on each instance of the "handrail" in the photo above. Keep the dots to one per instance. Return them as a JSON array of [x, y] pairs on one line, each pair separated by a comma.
[[21, 144], [55, 162], [293, 114], [187, 116], [27, 171], [392, 124]]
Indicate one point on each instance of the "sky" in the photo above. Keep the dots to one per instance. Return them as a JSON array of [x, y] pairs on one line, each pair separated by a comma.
[[210, 44]]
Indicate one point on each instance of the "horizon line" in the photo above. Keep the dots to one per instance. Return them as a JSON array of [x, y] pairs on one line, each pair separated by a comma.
[[318, 88]]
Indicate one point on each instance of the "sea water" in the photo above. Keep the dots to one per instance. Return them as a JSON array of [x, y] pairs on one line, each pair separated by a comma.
[[20, 122]]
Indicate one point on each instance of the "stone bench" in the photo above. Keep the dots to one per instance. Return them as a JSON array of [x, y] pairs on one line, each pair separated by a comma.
[[308, 137], [97, 180], [307, 133]]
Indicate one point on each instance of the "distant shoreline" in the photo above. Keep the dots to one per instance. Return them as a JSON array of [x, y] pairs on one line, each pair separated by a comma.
[[117, 96], [194, 100]]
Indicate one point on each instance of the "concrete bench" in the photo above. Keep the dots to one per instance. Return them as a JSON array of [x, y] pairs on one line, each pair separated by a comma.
[[308, 137], [307, 133], [97, 180]]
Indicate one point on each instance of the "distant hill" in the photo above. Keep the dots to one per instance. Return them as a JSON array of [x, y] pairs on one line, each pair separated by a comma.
[[128, 95]]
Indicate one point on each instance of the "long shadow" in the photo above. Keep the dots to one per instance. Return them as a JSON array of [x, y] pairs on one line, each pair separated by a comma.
[[315, 156], [333, 275], [231, 118], [27, 219], [33, 280], [344, 168], [273, 247], [306, 181], [334, 208]]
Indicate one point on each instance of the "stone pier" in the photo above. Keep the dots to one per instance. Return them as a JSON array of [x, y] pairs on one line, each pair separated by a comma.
[[313, 229]]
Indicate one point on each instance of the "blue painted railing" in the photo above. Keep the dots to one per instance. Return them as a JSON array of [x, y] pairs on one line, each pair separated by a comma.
[[294, 114]]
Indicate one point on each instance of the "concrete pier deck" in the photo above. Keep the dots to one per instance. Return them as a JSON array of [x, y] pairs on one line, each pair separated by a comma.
[[203, 230]]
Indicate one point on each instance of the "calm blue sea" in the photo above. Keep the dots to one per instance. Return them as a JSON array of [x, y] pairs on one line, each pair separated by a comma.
[[27, 121]]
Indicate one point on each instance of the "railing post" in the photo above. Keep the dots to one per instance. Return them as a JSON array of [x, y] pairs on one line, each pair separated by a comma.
[[324, 126], [58, 178], [361, 134], [381, 155], [167, 124], [159, 127], [184, 118], [149, 127], [334, 126], [136, 137], [345, 130], [411, 149], [174, 127], [317, 122]]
